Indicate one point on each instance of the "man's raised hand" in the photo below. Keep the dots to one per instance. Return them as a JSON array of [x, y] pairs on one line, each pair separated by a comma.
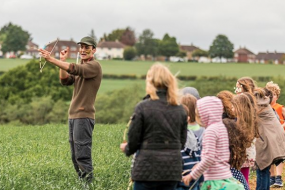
[[63, 54]]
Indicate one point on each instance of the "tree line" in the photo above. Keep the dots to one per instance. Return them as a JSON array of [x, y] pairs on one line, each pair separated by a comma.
[[14, 38]]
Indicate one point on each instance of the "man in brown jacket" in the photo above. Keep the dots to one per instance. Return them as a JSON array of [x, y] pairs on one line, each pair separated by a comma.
[[86, 78]]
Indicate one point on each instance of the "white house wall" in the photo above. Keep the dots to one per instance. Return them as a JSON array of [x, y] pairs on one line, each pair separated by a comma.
[[112, 52]]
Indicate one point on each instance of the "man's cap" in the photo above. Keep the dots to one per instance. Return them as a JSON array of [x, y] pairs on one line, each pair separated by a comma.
[[191, 90], [88, 41]]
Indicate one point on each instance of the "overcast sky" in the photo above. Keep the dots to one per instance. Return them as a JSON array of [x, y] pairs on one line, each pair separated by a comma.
[[257, 24]]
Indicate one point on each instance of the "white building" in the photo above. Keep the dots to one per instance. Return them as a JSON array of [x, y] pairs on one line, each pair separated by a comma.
[[109, 50]]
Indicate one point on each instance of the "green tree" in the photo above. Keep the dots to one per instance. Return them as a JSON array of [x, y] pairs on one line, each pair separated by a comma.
[[129, 53], [128, 37], [221, 47], [114, 35], [92, 35], [200, 53], [181, 54], [13, 38], [168, 46], [25, 82], [146, 44]]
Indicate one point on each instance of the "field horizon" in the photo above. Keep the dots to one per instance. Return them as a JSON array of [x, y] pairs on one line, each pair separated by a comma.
[[140, 68]]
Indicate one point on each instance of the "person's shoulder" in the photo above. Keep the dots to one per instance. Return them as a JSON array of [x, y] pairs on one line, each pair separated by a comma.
[[95, 63]]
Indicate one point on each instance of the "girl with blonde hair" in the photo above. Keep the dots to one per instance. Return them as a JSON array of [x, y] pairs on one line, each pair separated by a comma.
[[157, 133]]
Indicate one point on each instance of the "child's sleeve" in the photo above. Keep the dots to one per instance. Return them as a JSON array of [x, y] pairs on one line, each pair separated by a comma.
[[208, 153]]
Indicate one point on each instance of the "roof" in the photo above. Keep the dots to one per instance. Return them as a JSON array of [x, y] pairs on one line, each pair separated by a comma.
[[188, 48], [32, 44], [269, 56], [244, 51], [60, 43], [111, 44]]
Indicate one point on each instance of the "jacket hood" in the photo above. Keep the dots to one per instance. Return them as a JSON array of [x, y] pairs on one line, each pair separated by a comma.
[[210, 110]]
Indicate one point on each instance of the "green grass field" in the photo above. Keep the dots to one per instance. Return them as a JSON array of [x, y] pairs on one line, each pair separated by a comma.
[[6, 64], [184, 69], [38, 158]]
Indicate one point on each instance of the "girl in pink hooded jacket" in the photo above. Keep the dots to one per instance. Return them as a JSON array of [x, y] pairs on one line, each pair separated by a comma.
[[215, 153]]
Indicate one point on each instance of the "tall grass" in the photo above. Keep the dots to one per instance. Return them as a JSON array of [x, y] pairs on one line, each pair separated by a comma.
[[38, 157]]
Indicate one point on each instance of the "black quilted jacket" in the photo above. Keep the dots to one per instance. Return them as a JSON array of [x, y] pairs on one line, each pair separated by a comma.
[[157, 134]]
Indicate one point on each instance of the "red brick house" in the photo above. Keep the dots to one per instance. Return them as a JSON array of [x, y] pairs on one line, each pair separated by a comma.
[[243, 55], [63, 44], [189, 50], [270, 57], [32, 49]]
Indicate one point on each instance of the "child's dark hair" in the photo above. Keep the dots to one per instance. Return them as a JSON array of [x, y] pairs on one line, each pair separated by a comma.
[[190, 102], [186, 109], [238, 142]]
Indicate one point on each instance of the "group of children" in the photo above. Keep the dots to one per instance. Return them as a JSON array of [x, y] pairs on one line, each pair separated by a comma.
[[229, 134]]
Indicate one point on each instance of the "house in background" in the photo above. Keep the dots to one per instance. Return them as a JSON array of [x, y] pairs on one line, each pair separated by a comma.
[[243, 55], [189, 50], [270, 57], [32, 49], [110, 50], [61, 45]]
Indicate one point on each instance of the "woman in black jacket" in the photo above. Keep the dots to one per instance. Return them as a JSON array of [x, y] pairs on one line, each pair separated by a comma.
[[157, 133]]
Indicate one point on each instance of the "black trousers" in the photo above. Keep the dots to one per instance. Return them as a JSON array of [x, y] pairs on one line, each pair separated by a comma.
[[80, 139], [155, 185]]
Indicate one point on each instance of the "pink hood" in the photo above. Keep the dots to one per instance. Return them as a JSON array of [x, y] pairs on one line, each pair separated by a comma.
[[210, 109]]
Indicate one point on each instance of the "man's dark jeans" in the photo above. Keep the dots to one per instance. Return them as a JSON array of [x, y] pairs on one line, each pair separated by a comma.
[[80, 139], [263, 179], [155, 185]]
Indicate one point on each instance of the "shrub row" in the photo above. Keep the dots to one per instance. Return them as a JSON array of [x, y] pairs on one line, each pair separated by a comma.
[[186, 78]]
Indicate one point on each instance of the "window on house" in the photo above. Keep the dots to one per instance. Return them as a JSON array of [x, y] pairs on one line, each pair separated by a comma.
[[63, 47], [73, 48], [73, 55]]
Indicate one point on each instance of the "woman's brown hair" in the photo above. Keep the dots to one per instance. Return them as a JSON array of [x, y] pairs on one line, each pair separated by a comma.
[[226, 98], [245, 110], [248, 84], [238, 143]]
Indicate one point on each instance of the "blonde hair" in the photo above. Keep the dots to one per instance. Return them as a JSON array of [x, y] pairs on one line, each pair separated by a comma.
[[190, 102], [248, 84], [160, 77], [273, 87], [245, 110], [227, 97]]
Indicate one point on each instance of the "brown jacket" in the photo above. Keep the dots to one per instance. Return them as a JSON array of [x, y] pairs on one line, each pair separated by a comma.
[[86, 78], [270, 147]]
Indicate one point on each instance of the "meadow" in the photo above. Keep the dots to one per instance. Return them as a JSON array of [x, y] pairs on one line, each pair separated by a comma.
[[139, 68], [182, 68], [38, 158]]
